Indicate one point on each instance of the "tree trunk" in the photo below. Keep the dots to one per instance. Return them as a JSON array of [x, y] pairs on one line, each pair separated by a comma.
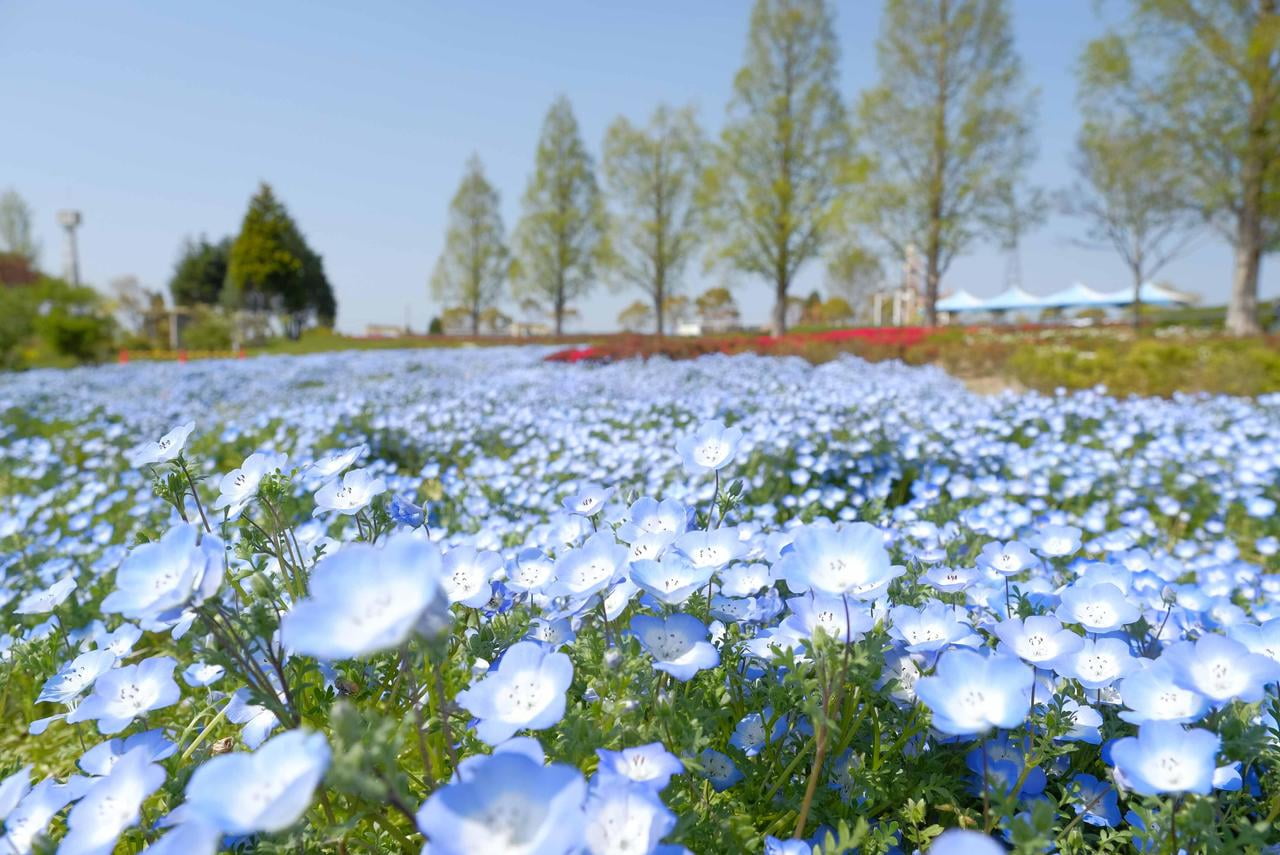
[[1137, 298], [559, 317], [779, 322], [932, 275], [1242, 312], [475, 322], [658, 314]]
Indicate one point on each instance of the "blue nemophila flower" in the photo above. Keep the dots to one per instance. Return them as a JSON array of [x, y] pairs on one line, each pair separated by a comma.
[[1221, 669], [588, 570], [467, 575], [1039, 639], [257, 721], [238, 487], [1007, 559], [668, 519], [1057, 541], [1259, 638], [364, 598], [13, 790], [525, 692], [201, 674], [711, 447], [121, 695], [167, 448], [31, 817], [970, 693], [507, 804], [622, 816], [1101, 607], [756, 730], [710, 549], [76, 676], [1004, 766], [112, 804], [720, 769], [651, 765], [672, 580], [1096, 800], [839, 618], [774, 846], [836, 561], [678, 644], [1097, 663], [530, 572], [350, 495], [333, 463], [159, 579], [1165, 758], [744, 580], [589, 500], [950, 580], [959, 841], [47, 599], [103, 757], [405, 512], [267, 790], [931, 627], [1153, 694]]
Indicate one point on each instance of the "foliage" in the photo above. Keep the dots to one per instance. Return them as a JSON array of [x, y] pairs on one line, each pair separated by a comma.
[[16, 236], [1133, 196], [209, 329], [1202, 75], [561, 236], [652, 172], [717, 308], [200, 272], [636, 317], [73, 320], [472, 270], [947, 132], [784, 159], [271, 268]]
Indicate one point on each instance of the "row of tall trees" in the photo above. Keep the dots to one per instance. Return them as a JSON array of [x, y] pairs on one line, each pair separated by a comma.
[[1181, 113]]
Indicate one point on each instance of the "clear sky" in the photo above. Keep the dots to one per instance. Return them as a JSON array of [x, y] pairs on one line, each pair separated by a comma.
[[157, 119]]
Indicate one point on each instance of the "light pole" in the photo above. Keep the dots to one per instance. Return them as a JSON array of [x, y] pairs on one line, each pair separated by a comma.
[[70, 220]]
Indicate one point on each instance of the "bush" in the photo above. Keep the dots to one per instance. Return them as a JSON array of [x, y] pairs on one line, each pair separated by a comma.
[[72, 321], [209, 329]]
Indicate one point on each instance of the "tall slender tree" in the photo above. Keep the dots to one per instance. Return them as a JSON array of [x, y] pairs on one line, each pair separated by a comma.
[[946, 130], [783, 157], [472, 270], [652, 173], [16, 236], [561, 237], [1132, 196], [1206, 75]]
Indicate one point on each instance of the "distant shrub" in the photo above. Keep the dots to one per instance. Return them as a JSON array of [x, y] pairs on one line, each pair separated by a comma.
[[209, 329]]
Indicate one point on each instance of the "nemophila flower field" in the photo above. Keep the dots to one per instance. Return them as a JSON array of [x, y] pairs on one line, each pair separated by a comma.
[[473, 602]]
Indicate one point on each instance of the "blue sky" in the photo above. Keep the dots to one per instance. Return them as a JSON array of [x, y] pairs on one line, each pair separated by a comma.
[[157, 120]]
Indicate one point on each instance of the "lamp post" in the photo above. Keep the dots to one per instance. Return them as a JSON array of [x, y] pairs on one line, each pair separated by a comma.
[[70, 220]]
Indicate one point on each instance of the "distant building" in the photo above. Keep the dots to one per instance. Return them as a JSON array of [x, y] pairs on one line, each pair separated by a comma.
[[385, 331], [527, 329]]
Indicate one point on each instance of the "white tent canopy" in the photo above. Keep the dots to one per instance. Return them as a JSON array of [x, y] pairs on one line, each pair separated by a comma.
[[1077, 296]]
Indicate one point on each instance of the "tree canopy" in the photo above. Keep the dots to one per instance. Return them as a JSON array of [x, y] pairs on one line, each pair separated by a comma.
[[783, 158], [560, 239], [472, 270]]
